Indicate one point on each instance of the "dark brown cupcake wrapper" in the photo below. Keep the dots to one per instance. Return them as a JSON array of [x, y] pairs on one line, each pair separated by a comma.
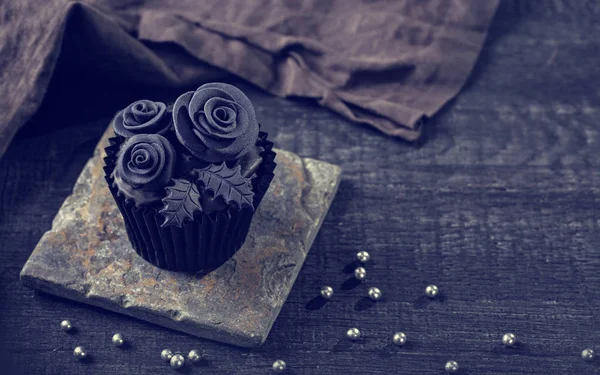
[[204, 243]]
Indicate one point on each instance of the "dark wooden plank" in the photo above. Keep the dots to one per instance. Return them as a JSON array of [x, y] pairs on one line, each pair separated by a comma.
[[498, 206]]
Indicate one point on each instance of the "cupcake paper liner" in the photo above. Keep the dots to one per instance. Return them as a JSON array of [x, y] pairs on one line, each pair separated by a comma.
[[202, 244]]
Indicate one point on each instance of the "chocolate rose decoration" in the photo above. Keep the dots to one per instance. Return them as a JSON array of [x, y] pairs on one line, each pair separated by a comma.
[[143, 116], [216, 122], [144, 166]]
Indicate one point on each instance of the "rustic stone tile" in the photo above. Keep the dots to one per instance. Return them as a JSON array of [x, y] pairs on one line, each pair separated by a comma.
[[86, 257]]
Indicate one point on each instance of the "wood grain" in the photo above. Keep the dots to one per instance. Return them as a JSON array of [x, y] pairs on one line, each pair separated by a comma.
[[499, 206]]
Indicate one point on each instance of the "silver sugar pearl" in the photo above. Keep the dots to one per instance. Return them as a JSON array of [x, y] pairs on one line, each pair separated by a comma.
[[360, 273], [166, 355], [399, 338], [363, 256], [432, 291], [588, 354], [66, 325], [327, 292], [194, 356], [80, 353], [118, 340], [374, 293], [509, 339], [177, 361], [353, 334], [279, 366], [451, 367]]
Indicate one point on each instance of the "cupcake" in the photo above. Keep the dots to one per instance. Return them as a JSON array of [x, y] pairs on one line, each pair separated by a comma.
[[188, 179]]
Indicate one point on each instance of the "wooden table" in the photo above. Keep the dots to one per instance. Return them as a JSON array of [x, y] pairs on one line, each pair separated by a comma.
[[499, 206]]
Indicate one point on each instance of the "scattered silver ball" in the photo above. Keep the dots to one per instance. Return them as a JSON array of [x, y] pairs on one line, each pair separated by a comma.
[[363, 256], [509, 339], [166, 355], [353, 334], [399, 338], [177, 361], [374, 293], [327, 292], [360, 273], [66, 325], [118, 340], [432, 291], [451, 367], [588, 354], [80, 353], [194, 356], [279, 366]]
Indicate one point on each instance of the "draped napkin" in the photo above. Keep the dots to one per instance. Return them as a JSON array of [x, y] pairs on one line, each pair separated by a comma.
[[388, 64]]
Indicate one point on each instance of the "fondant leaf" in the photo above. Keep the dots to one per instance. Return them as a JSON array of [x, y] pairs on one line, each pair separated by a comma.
[[227, 183], [182, 200]]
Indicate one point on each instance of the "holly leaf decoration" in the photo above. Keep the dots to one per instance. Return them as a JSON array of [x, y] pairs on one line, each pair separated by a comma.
[[227, 183], [181, 202]]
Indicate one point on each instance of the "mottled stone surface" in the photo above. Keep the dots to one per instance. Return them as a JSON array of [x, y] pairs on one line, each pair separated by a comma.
[[86, 256]]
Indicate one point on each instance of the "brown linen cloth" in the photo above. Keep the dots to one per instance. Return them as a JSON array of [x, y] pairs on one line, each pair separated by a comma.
[[388, 64]]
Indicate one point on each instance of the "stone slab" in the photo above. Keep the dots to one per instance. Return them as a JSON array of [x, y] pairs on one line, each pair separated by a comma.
[[86, 257]]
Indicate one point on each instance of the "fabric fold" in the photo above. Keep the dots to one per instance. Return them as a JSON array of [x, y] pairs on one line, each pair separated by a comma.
[[386, 64]]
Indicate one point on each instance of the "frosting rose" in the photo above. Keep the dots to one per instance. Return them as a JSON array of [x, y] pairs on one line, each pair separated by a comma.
[[143, 116], [216, 122], [144, 166]]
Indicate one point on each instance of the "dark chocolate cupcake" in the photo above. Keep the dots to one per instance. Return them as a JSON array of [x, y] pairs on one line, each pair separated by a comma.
[[188, 180]]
